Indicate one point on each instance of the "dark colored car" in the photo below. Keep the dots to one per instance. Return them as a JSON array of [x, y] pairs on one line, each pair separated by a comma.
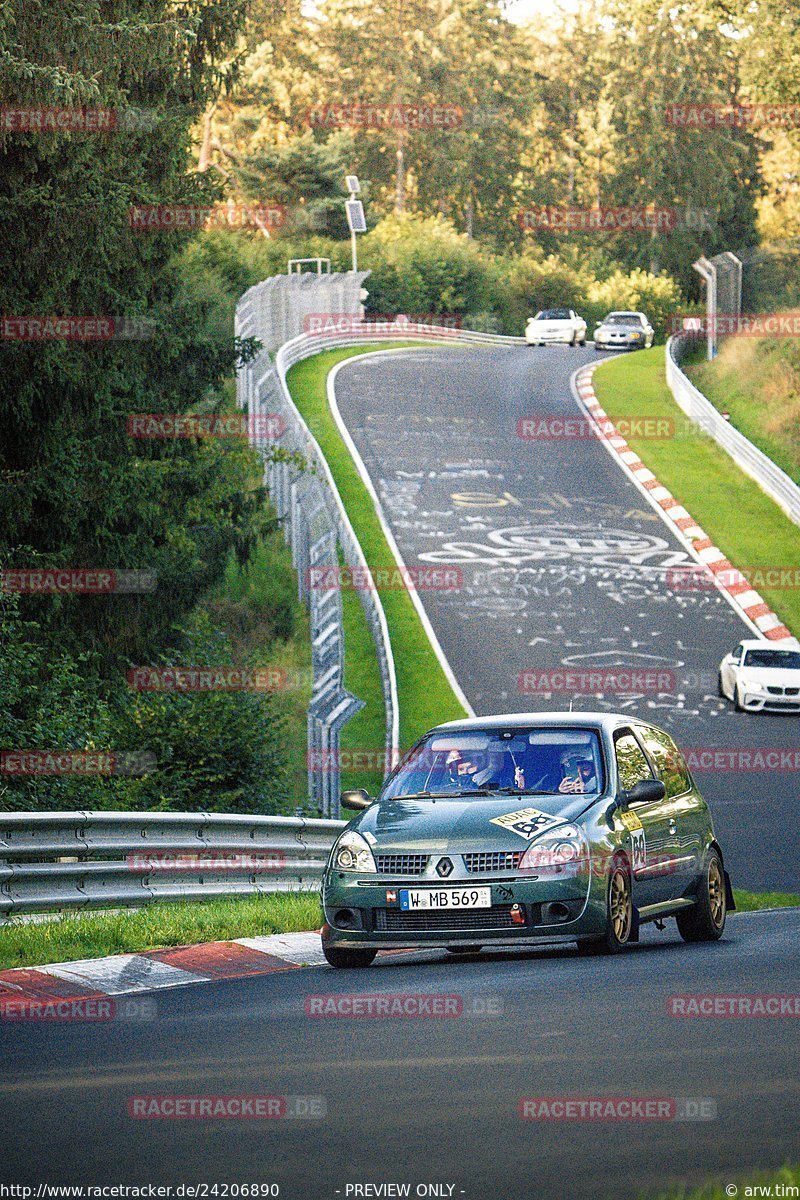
[[513, 829]]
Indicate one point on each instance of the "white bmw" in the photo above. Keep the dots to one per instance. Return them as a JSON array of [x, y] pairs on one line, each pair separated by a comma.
[[556, 325], [761, 675]]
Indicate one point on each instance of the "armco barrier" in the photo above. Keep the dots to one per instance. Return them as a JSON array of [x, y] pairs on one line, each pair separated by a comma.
[[775, 482], [307, 501], [51, 861]]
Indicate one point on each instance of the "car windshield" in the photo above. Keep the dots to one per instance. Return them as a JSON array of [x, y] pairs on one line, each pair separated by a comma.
[[516, 761], [554, 314], [622, 319], [782, 659]]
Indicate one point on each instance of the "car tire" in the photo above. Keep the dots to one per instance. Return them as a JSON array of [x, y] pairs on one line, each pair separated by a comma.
[[619, 912], [705, 920], [339, 957], [582, 342], [463, 949], [720, 689], [737, 699]]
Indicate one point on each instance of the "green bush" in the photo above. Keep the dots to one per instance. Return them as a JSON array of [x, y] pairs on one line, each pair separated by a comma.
[[535, 282], [215, 752], [422, 265]]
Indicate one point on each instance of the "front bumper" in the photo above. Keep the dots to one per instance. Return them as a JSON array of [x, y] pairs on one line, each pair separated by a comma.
[[358, 914], [622, 344], [768, 702], [561, 338]]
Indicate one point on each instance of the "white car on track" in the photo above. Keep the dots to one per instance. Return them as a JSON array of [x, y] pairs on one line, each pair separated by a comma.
[[556, 325], [761, 675]]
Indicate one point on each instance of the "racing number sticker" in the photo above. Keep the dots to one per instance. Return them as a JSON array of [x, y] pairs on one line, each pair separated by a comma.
[[638, 842], [638, 849], [527, 822]]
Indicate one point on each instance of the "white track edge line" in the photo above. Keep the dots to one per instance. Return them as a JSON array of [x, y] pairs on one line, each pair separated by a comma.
[[390, 538]]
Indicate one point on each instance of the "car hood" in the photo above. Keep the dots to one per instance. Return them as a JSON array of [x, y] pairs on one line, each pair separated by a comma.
[[561, 323], [632, 328], [771, 676], [459, 825]]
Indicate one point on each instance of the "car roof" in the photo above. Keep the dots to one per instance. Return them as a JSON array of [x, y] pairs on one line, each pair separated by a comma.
[[763, 644], [594, 720], [625, 312]]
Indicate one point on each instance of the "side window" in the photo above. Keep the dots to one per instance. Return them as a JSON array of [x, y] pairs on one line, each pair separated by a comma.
[[631, 762], [670, 764]]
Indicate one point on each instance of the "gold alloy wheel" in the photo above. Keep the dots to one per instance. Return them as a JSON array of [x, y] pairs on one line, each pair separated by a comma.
[[716, 893], [620, 905]]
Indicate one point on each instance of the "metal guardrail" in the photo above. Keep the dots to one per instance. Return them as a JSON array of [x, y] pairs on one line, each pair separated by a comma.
[[51, 861], [775, 482]]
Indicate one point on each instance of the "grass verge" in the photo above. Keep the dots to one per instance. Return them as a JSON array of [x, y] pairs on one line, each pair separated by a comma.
[[93, 935], [764, 1183], [753, 901], [743, 521], [757, 381], [425, 695]]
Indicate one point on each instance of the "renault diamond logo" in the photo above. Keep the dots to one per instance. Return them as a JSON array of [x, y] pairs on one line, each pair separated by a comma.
[[444, 867]]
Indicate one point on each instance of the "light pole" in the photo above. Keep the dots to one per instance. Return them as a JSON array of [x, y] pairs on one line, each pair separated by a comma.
[[356, 220]]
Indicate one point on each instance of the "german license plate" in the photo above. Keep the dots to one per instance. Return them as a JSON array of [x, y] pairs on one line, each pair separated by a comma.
[[414, 898]]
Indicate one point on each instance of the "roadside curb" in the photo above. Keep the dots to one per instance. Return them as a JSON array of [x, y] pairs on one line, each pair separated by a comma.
[[87, 988], [44, 990], [736, 585]]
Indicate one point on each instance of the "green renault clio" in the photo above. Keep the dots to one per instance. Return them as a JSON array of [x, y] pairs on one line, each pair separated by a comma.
[[511, 830]]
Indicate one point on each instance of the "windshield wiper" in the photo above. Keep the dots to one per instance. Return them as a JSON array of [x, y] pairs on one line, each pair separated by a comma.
[[512, 791], [443, 795]]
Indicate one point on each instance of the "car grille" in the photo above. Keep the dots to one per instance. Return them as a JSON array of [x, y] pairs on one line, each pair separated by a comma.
[[779, 691], [494, 860], [433, 920], [775, 691], [401, 864]]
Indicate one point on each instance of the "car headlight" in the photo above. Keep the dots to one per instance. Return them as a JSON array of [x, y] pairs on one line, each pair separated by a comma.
[[561, 852], [601, 335], [636, 336], [753, 685], [351, 853]]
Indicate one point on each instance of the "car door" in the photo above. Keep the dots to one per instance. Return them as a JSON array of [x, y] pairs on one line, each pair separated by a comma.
[[647, 823], [686, 812]]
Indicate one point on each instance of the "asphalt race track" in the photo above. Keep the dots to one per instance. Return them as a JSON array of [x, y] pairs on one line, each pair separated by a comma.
[[563, 564], [428, 1100]]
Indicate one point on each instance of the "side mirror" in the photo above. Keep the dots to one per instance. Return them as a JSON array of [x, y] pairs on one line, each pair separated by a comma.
[[355, 798], [646, 791]]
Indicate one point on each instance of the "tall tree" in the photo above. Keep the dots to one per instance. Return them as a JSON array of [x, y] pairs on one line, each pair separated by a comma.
[[76, 489]]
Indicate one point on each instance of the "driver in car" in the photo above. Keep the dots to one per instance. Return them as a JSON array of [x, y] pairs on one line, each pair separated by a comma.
[[493, 770], [578, 772]]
